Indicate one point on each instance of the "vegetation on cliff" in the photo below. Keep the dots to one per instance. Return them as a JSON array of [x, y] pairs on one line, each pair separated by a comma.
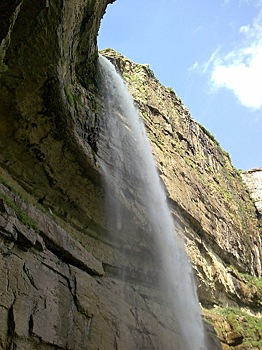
[[235, 328]]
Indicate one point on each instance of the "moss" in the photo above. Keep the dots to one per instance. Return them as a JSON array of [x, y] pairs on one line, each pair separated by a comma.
[[148, 70], [212, 137], [62, 61], [78, 100], [253, 281], [209, 134], [141, 89], [69, 96], [3, 67], [158, 142], [21, 215], [9, 183], [251, 287], [153, 138], [4, 182], [225, 153], [250, 327], [171, 90], [228, 195], [73, 99]]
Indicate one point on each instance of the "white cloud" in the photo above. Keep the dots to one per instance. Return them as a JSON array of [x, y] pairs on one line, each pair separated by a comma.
[[241, 69], [205, 67], [240, 2], [213, 58], [194, 66]]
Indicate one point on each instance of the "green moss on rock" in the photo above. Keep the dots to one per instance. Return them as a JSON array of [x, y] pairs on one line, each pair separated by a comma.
[[236, 328]]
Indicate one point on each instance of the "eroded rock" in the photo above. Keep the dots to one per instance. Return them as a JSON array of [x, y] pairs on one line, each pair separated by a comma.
[[253, 180]]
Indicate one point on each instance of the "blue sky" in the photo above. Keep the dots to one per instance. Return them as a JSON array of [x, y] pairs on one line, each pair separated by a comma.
[[209, 52]]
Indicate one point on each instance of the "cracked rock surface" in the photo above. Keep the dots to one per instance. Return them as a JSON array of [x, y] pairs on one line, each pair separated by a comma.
[[56, 296]]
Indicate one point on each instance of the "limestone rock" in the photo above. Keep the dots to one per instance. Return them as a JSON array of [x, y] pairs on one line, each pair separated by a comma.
[[58, 298], [47, 93], [253, 180], [205, 191]]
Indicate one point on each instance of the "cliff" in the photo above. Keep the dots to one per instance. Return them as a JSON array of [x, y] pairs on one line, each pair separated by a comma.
[[209, 200], [201, 182], [253, 180], [60, 287]]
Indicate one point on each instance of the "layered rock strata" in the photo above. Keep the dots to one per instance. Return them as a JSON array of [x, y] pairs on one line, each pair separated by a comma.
[[57, 294], [62, 285], [202, 185], [48, 105], [209, 201]]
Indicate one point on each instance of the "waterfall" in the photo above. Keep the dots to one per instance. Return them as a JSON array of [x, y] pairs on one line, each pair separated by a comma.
[[133, 186]]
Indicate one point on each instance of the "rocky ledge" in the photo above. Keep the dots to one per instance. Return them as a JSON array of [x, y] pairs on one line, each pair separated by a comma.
[[55, 294]]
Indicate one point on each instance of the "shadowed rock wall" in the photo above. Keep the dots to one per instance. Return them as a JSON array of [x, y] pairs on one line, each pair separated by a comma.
[[56, 294], [48, 60], [61, 274]]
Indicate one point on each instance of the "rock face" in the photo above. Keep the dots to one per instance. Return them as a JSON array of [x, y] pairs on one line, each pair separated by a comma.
[[207, 197], [204, 189], [55, 294], [60, 282], [253, 180], [48, 60]]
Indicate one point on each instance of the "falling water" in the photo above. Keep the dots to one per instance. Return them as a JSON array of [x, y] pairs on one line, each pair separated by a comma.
[[130, 172]]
